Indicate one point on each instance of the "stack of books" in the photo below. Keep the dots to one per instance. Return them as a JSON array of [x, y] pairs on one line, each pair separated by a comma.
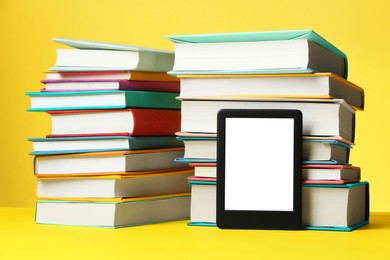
[[274, 70], [109, 159]]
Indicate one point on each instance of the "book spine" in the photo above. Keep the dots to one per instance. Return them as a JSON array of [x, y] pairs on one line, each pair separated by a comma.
[[156, 122], [147, 99]]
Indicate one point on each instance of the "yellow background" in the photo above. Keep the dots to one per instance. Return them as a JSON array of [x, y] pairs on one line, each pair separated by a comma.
[[22, 239], [359, 28]]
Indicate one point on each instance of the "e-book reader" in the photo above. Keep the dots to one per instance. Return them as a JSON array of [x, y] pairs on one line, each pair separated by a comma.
[[259, 165]]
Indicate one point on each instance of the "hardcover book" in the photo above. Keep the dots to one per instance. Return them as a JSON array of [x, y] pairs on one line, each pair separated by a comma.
[[338, 207], [313, 149], [128, 121], [83, 144], [114, 186], [321, 118], [294, 51], [109, 75], [107, 163], [100, 56], [323, 172], [251, 86], [115, 213], [109, 84], [108, 99]]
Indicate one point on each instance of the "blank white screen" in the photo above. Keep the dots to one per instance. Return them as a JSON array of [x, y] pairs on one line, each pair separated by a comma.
[[259, 164]]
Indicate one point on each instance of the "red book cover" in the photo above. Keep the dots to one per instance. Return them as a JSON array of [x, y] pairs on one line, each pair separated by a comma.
[[146, 122], [156, 121]]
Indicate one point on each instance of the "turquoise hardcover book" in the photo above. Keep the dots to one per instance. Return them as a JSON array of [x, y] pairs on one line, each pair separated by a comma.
[[328, 207], [260, 36], [335, 207]]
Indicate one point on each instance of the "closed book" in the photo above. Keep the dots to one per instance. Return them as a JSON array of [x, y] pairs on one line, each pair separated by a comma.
[[114, 186], [321, 172], [109, 84], [208, 170], [82, 144], [319, 149], [107, 163], [203, 201], [128, 121], [311, 173], [332, 118], [205, 147], [109, 75], [92, 55], [335, 207], [257, 52], [102, 99], [339, 207], [313, 85], [114, 214]]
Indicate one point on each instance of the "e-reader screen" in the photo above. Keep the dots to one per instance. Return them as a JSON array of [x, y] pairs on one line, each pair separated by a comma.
[[259, 169]]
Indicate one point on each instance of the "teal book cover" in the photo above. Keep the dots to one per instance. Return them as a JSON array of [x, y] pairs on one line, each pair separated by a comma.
[[326, 162], [194, 160], [344, 186], [308, 34]]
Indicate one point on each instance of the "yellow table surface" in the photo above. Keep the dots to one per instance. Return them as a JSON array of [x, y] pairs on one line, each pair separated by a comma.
[[21, 238]]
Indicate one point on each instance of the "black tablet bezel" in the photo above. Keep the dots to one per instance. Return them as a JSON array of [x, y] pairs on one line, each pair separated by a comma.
[[242, 219]]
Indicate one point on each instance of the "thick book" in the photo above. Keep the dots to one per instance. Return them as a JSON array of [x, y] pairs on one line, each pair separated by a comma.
[[203, 201], [109, 84], [109, 75], [295, 51], [100, 56], [339, 207], [107, 163], [83, 144], [114, 214], [249, 86], [115, 186], [335, 207], [128, 121], [320, 118], [102, 99], [205, 147]]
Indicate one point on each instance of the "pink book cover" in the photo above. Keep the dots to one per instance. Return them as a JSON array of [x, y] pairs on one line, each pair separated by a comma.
[[197, 178], [112, 75], [140, 85], [202, 164], [86, 135], [329, 181]]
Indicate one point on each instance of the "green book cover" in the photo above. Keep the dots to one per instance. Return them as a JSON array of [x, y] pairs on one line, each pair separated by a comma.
[[82, 144]]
